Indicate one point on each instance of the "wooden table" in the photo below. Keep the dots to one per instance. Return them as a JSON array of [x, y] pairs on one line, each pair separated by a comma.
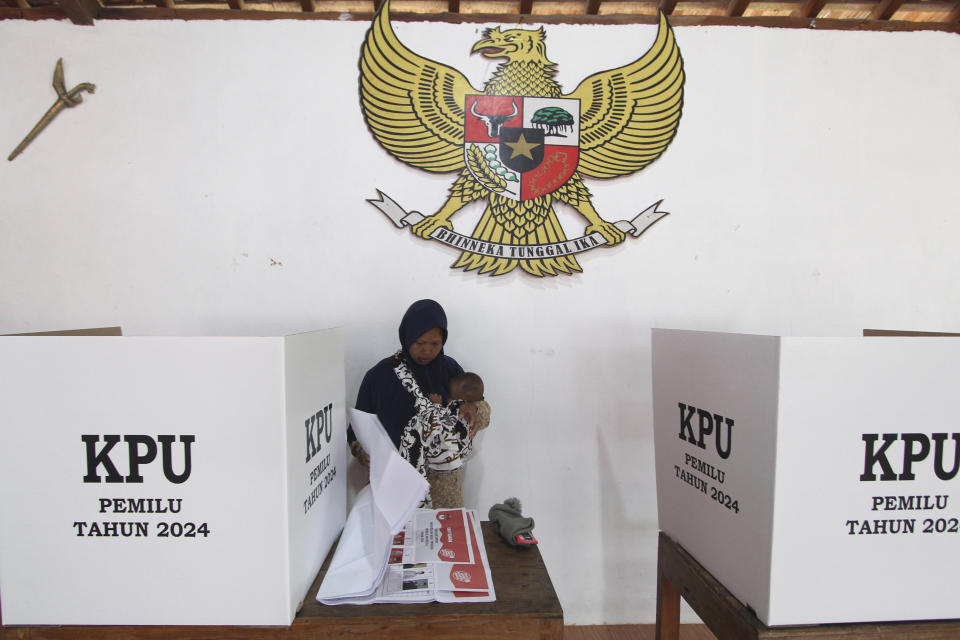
[[679, 575], [526, 607]]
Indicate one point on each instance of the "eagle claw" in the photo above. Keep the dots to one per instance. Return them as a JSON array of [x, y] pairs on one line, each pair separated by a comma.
[[609, 232], [430, 224]]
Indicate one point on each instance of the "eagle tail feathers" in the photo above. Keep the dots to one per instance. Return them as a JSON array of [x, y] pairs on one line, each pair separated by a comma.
[[490, 230]]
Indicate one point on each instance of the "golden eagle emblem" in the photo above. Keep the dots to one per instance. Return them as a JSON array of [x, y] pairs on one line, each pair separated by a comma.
[[520, 144]]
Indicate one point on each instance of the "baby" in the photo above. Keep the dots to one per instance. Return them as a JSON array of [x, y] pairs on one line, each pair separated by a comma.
[[438, 438], [466, 399]]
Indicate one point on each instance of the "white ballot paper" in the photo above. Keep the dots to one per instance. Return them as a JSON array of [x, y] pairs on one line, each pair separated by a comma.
[[381, 510], [428, 581], [390, 551]]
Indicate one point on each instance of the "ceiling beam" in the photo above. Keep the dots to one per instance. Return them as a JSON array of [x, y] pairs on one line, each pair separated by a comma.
[[526, 7], [593, 7], [885, 9], [667, 6], [735, 8], [80, 11], [812, 8], [954, 15]]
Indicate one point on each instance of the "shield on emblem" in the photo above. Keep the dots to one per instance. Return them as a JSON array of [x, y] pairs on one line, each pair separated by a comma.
[[519, 146], [521, 149]]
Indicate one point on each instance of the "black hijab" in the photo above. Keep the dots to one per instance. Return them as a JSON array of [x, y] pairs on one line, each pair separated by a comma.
[[381, 392], [421, 317]]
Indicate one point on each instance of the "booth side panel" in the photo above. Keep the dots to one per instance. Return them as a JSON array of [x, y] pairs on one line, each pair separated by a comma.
[[715, 413], [316, 453]]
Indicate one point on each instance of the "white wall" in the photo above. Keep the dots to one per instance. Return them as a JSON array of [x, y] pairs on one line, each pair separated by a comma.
[[812, 186]]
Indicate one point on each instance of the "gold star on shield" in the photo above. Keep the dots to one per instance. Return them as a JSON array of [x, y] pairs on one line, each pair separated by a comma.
[[521, 147]]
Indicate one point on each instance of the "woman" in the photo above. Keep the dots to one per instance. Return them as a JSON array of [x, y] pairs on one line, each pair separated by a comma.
[[423, 332], [408, 391]]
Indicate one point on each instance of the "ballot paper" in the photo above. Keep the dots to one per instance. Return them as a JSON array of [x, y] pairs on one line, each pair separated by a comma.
[[412, 582], [390, 551], [441, 535], [468, 582], [382, 509]]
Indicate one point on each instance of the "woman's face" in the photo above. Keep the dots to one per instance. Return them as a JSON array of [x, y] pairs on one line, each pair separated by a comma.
[[427, 346]]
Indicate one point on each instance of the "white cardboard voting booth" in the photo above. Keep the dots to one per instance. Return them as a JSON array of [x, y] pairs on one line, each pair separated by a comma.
[[168, 480], [816, 478]]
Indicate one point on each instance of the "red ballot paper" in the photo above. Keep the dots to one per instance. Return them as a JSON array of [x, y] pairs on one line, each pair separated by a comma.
[[469, 581], [439, 536]]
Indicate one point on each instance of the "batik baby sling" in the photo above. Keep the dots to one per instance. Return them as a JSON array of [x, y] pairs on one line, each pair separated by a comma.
[[434, 438]]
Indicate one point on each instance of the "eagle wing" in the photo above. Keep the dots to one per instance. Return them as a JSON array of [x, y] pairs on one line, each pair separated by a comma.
[[413, 106], [629, 115]]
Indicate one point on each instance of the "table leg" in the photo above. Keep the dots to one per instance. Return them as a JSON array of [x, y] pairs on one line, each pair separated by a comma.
[[668, 608]]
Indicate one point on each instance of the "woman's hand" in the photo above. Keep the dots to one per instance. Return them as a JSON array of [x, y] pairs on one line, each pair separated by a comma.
[[359, 453]]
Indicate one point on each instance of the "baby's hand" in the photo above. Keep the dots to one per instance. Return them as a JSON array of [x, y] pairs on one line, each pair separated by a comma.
[[435, 398]]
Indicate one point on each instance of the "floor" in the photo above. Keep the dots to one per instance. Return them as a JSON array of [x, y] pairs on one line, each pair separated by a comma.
[[632, 632]]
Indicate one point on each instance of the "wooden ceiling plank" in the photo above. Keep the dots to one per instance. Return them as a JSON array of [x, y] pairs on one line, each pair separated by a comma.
[[309, 6], [80, 11], [812, 8], [954, 15], [593, 7], [236, 5], [885, 9], [735, 8], [526, 7], [48, 12], [667, 6], [783, 22]]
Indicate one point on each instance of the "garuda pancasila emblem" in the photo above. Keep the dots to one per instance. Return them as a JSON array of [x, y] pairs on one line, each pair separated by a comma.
[[520, 144]]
